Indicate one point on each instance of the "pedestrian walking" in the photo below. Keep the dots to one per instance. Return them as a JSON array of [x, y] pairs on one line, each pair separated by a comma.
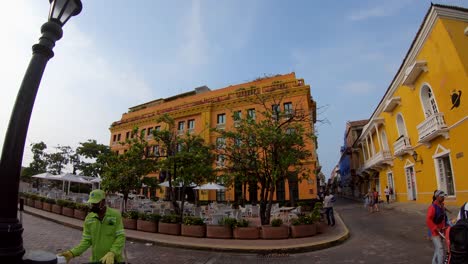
[[102, 231], [436, 222], [370, 200], [328, 206], [387, 194], [375, 195]]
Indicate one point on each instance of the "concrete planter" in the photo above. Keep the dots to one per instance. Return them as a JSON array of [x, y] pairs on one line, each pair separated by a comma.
[[79, 214], [321, 227], [47, 207], [147, 226], [275, 232], [169, 228], [30, 202], [70, 212], [250, 232], [193, 230], [129, 223], [38, 204], [217, 231], [303, 230], [57, 209]]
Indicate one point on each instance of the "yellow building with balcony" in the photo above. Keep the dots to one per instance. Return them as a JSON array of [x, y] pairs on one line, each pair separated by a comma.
[[416, 139], [202, 109]]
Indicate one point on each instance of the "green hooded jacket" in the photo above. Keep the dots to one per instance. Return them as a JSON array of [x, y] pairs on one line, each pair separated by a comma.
[[103, 236]]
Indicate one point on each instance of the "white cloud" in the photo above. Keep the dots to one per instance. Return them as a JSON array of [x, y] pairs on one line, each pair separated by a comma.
[[384, 9], [360, 87], [82, 92]]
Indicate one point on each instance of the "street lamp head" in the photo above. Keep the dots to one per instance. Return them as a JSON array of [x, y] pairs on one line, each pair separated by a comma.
[[61, 10]]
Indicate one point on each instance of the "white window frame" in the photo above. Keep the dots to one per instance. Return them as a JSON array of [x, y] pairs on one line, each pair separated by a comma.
[[426, 102], [439, 154], [400, 133]]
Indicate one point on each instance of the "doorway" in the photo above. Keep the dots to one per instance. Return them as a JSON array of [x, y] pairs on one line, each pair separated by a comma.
[[411, 183]]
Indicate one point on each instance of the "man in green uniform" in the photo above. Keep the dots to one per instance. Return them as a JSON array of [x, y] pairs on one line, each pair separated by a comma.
[[103, 231]]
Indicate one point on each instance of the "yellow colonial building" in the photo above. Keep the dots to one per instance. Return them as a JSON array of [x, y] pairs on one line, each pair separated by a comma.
[[416, 139], [202, 109]]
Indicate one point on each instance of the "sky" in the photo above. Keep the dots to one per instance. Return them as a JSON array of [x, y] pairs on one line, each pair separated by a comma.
[[117, 54]]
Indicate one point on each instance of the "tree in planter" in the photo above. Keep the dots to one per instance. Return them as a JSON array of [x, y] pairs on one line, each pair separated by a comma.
[[193, 226], [148, 222], [125, 172], [187, 159], [268, 151]]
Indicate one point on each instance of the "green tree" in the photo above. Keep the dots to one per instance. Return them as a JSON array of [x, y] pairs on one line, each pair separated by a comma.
[[57, 161], [267, 151], [186, 157], [125, 172], [91, 158], [39, 162]]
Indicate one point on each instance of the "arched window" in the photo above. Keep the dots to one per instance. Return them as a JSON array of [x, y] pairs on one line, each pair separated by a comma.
[[428, 101], [383, 136], [401, 125]]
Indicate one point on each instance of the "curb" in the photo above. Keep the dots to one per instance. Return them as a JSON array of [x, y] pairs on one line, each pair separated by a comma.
[[247, 248]]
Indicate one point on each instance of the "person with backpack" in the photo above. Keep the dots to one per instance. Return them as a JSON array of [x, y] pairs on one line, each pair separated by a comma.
[[436, 222], [375, 196], [457, 238]]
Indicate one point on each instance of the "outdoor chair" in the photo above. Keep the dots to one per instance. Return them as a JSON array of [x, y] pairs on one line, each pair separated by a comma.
[[254, 211], [216, 218]]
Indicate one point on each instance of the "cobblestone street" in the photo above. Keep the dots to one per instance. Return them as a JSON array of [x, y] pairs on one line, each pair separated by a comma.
[[389, 236]]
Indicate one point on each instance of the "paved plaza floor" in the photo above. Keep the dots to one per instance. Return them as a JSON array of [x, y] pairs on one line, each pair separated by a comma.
[[394, 235]]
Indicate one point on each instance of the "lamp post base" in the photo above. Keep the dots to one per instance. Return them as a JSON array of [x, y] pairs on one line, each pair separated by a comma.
[[11, 241]]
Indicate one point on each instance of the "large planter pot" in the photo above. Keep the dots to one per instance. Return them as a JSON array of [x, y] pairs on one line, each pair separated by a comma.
[[79, 214], [250, 232], [275, 232], [129, 223], [169, 228], [70, 212], [38, 204], [47, 207], [217, 231], [321, 227], [57, 209], [193, 230], [303, 230], [30, 202], [147, 226]]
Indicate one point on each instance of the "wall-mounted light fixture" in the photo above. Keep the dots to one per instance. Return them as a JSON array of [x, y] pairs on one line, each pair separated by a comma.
[[415, 157]]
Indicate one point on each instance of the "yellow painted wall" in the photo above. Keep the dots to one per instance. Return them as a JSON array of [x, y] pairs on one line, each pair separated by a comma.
[[446, 54]]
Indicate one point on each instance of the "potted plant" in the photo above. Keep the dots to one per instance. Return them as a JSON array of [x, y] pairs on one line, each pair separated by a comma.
[[242, 230], [193, 227], [317, 214], [47, 204], [38, 202], [222, 230], [169, 224], [129, 219], [31, 200], [303, 226], [148, 222], [57, 207], [81, 210], [276, 230], [68, 207]]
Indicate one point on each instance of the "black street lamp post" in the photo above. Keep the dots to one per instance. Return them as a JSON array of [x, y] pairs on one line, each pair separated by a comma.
[[11, 241]]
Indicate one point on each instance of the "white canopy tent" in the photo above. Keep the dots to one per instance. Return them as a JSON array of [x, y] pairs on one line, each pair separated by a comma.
[[166, 184], [69, 177], [45, 175], [210, 186]]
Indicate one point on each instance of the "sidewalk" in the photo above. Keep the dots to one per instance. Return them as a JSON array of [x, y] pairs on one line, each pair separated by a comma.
[[334, 236]]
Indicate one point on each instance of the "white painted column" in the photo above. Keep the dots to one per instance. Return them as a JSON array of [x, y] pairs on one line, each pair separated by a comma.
[[372, 143], [363, 152], [378, 138], [368, 150]]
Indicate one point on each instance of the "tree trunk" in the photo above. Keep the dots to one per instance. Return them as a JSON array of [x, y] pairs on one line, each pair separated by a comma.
[[125, 198], [182, 204]]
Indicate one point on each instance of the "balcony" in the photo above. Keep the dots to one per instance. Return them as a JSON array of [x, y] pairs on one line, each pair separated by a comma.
[[432, 127], [402, 146], [378, 160], [149, 137], [221, 126]]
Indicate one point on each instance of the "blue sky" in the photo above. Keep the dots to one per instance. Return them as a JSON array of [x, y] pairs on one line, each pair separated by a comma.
[[117, 54]]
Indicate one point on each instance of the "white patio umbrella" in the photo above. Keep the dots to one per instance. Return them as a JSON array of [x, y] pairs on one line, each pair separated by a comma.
[[97, 180], [69, 177], [210, 186], [166, 184], [45, 175]]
